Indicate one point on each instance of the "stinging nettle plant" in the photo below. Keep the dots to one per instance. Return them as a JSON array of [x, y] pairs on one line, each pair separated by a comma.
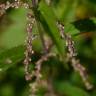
[[34, 17]]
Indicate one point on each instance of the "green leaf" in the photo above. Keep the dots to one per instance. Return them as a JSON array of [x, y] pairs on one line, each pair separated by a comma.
[[69, 90], [11, 57], [70, 29], [65, 10], [69, 9], [15, 34], [49, 24]]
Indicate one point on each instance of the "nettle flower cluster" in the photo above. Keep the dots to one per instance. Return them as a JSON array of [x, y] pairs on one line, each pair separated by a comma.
[[71, 52]]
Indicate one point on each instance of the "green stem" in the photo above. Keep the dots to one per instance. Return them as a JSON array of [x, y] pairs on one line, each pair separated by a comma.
[[37, 17]]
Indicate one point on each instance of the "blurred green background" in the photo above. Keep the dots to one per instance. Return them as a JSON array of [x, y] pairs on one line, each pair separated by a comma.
[[65, 81]]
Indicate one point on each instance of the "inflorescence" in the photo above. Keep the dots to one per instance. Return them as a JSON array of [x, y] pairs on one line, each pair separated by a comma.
[[72, 54]]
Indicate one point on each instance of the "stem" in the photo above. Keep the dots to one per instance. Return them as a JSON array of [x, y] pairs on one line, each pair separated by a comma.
[[37, 18]]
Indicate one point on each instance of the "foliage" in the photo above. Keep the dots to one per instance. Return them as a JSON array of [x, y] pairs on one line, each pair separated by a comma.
[[56, 70]]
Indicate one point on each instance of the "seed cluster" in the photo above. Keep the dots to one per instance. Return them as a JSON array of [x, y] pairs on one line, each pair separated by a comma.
[[72, 56], [16, 4], [29, 51], [37, 73]]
